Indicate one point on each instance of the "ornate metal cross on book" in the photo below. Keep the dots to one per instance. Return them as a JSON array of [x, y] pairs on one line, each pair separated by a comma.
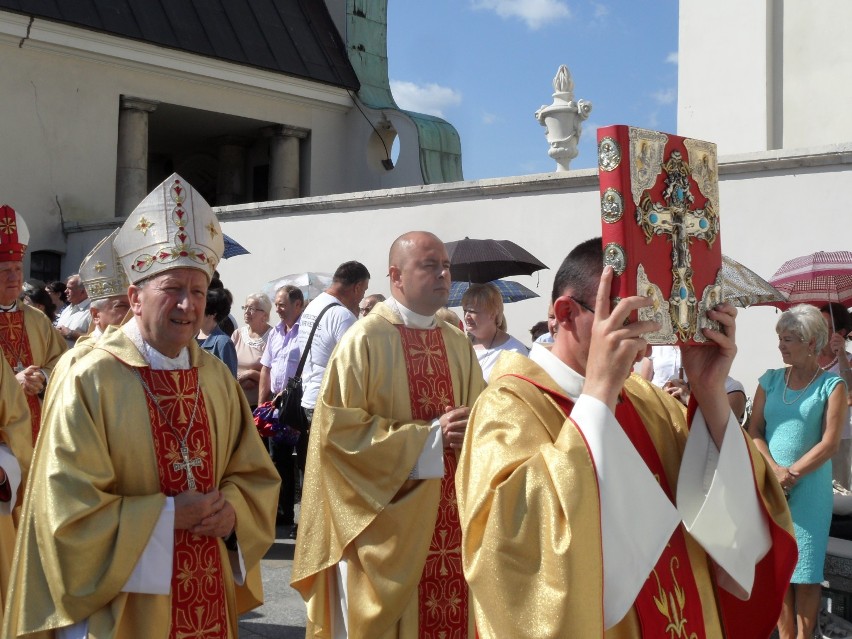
[[681, 224], [187, 466]]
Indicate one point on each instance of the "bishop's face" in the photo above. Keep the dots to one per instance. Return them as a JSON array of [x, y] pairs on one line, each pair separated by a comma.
[[113, 311], [11, 281], [169, 308]]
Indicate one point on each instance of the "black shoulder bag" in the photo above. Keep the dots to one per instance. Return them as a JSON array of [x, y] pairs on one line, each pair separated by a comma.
[[289, 400]]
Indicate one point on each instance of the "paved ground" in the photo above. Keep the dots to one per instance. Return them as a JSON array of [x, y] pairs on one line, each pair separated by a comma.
[[282, 616]]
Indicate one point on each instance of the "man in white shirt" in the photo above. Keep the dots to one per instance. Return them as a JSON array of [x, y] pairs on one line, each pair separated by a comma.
[[74, 320], [621, 518], [347, 289]]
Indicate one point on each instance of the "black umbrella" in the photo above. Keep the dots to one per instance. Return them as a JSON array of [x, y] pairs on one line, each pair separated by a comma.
[[480, 261]]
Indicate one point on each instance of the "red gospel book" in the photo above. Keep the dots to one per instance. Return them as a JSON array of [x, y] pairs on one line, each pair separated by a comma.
[[660, 219]]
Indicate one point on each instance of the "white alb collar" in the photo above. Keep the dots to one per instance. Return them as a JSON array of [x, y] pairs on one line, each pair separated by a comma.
[[566, 377], [154, 358], [409, 317]]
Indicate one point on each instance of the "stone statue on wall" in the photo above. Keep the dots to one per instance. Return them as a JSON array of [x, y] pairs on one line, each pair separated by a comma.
[[563, 120]]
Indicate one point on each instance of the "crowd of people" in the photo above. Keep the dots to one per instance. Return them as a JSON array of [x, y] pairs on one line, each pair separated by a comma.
[[453, 482]]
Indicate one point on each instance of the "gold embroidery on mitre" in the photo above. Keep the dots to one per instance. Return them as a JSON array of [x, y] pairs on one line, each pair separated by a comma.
[[144, 224], [8, 226], [212, 229], [99, 266]]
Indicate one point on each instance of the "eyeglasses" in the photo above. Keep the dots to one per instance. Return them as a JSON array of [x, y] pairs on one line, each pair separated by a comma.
[[252, 309], [583, 304]]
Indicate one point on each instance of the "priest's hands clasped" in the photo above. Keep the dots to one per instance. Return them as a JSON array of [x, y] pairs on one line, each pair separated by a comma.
[[207, 514], [453, 425], [31, 380]]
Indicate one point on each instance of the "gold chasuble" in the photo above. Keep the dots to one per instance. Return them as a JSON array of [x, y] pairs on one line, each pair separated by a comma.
[[398, 537], [15, 432], [531, 518], [28, 339], [109, 455]]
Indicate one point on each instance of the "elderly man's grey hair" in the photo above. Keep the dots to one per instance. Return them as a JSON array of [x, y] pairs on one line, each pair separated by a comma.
[[806, 322]]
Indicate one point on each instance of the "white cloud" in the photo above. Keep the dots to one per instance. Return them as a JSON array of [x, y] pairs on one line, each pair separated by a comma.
[[431, 98], [671, 58], [536, 13], [489, 118], [665, 96], [601, 10]]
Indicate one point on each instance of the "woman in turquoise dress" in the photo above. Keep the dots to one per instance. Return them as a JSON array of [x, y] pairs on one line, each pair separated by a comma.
[[797, 419]]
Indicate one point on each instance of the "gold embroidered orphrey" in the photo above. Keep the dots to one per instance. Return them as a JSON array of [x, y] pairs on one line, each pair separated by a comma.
[[681, 223], [672, 604]]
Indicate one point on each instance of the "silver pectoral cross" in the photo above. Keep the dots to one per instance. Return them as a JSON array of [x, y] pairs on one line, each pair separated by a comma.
[[187, 465]]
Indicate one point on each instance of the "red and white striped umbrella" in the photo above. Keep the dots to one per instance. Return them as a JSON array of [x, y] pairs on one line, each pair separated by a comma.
[[818, 278]]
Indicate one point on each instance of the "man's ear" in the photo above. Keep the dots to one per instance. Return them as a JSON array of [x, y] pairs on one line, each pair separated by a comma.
[[564, 311], [394, 273], [133, 295]]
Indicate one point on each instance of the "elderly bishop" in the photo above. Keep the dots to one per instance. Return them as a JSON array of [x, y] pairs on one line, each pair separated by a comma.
[[151, 495], [106, 284], [27, 338]]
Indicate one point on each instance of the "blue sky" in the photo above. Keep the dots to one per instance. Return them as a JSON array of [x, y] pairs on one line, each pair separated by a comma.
[[486, 66]]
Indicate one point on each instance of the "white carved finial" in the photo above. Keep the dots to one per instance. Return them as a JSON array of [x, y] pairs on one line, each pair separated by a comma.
[[563, 119], [563, 83]]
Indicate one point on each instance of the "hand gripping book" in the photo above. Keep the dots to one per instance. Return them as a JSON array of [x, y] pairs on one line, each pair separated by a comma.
[[660, 227]]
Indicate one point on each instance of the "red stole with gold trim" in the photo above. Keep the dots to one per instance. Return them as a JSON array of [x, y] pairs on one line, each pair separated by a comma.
[[668, 605], [198, 590], [16, 345], [442, 591]]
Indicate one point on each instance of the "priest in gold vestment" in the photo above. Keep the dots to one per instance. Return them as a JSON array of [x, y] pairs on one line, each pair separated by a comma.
[[15, 455], [27, 338], [623, 521], [105, 281], [377, 555], [151, 496]]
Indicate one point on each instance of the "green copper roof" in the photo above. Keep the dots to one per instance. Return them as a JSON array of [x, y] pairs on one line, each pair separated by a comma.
[[366, 43]]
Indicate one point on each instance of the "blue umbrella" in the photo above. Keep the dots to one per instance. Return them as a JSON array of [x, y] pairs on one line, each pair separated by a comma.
[[511, 291], [232, 248]]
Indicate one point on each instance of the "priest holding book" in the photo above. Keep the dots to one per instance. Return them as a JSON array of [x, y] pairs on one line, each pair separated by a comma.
[[593, 505]]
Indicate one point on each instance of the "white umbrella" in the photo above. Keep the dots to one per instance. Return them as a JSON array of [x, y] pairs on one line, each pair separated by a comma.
[[311, 284]]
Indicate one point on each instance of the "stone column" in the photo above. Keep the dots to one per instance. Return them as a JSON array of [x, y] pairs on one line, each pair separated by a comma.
[[284, 160], [230, 179], [131, 175]]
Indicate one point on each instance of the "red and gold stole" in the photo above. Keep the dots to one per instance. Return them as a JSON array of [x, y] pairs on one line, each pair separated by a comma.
[[668, 605], [198, 590], [442, 592], [16, 345]]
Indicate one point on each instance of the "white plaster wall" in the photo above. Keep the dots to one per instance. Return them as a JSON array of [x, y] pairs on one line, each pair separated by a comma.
[[774, 206], [817, 63], [772, 74], [723, 83]]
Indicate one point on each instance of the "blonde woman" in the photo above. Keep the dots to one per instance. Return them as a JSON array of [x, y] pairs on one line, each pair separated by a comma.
[[485, 325], [798, 416]]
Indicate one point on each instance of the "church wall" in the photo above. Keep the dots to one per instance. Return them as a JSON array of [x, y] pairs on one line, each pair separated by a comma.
[[61, 89], [817, 63], [764, 75], [774, 206], [723, 62]]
